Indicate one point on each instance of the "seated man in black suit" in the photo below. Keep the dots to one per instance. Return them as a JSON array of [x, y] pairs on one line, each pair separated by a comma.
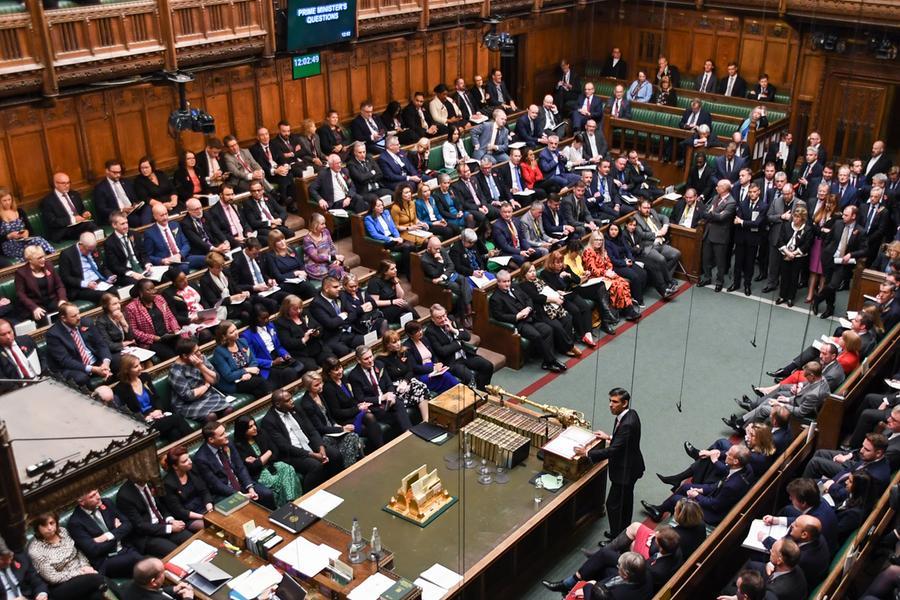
[[82, 272], [75, 349], [252, 274], [218, 463], [149, 583], [63, 212], [510, 305], [451, 346], [113, 193], [814, 557], [334, 319], [334, 188], [154, 531], [732, 84], [297, 441], [124, 251], [366, 127], [275, 167], [203, 235], [615, 65], [688, 211], [99, 530], [227, 217], [763, 90], [716, 499], [264, 214], [370, 383], [18, 357], [19, 574], [417, 119]]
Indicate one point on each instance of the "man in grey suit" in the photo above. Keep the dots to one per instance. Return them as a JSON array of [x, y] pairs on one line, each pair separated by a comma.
[[780, 208], [491, 140], [533, 229], [242, 167], [832, 373], [652, 229], [719, 220], [803, 404]]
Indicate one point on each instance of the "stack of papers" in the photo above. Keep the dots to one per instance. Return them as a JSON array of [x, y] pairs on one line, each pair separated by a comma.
[[592, 281], [481, 282], [321, 503], [252, 584], [419, 233], [500, 260], [197, 551], [339, 212], [372, 587], [436, 581], [565, 443], [304, 557], [773, 531], [141, 354], [156, 273]]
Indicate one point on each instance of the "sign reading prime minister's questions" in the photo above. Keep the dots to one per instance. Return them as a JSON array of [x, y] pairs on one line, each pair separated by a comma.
[[313, 23]]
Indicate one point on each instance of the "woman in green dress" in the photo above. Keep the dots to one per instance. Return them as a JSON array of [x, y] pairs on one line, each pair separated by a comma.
[[262, 461]]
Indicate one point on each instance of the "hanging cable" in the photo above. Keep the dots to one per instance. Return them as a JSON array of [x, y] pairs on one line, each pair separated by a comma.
[[687, 337]]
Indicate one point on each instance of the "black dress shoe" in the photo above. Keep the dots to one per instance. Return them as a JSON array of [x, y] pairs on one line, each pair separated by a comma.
[[555, 586], [653, 511], [607, 329], [757, 391], [704, 282], [768, 288], [744, 402], [790, 303], [735, 423], [747, 291], [733, 287], [670, 480], [718, 287], [608, 535], [562, 367], [779, 374], [815, 306], [779, 300], [760, 277], [691, 451], [827, 313]]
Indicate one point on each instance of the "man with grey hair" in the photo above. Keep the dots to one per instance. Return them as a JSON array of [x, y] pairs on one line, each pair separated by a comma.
[[802, 401], [491, 140], [467, 256], [396, 168], [19, 576], [83, 272], [437, 266], [533, 229], [780, 210], [550, 116], [719, 218], [333, 187], [810, 173], [875, 221]]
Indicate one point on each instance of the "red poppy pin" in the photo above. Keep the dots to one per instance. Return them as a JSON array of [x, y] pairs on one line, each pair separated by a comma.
[[102, 506], [17, 564], [83, 329]]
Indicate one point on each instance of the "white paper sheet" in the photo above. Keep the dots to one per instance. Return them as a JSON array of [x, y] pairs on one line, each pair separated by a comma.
[[430, 591], [481, 282], [564, 444], [441, 576], [156, 273], [304, 556], [196, 551], [372, 588], [321, 503], [500, 260], [141, 354], [752, 542]]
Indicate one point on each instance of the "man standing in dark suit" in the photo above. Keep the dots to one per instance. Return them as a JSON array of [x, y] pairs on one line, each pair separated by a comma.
[[875, 221], [498, 95], [75, 349], [370, 383], [717, 234], [566, 85], [511, 305], [845, 245], [219, 464], [99, 531], [615, 66], [783, 153], [63, 211], [729, 166], [810, 174], [297, 441], [154, 531], [124, 250], [17, 357], [587, 106], [749, 223], [19, 576], [113, 193], [278, 173], [83, 273], [149, 583], [733, 84], [878, 163], [265, 215], [625, 461], [366, 127]]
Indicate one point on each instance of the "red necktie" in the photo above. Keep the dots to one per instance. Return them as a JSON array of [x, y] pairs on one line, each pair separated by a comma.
[[268, 154], [374, 382], [23, 370], [241, 160], [173, 249], [82, 350], [265, 210], [152, 504], [229, 472]]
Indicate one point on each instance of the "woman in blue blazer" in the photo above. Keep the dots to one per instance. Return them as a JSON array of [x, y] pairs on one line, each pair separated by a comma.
[[427, 212], [236, 364], [380, 227], [275, 363]]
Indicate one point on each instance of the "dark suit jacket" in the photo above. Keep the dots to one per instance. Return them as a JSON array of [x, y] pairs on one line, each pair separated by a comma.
[[62, 355], [721, 168], [704, 118], [392, 173], [196, 229], [132, 504], [30, 583], [362, 387], [460, 260], [751, 230], [785, 164], [105, 201], [259, 155], [410, 118], [360, 132], [789, 586], [711, 83], [464, 196], [856, 244], [366, 175], [254, 216], [116, 256], [243, 277], [495, 92], [322, 187], [882, 165], [757, 93], [157, 248], [28, 294], [70, 270], [719, 221], [280, 438], [324, 314], [55, 216], [281, 148], [626, 463], [503, 239], [599, 140], [443, 347], [484, 190], [8, 368], [620, 71], [216, 216], [660, 569], [718, 498], [678, 211], [529, 131], [210, 470], [503, 307], [595, 108], [738, 90], [83, 529]]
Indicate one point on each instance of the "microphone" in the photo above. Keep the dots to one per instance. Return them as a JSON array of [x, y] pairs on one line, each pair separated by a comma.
[[678, 405]]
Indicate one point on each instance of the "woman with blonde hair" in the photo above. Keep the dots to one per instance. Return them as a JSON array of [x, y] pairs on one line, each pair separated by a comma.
[[15, 229]]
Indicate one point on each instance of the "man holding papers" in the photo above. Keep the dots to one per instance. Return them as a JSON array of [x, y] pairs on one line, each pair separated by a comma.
[[508, 237], [83, 273]]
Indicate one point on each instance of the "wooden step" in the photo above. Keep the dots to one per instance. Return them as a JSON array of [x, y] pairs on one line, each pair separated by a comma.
[[497, 359], [295, 222]]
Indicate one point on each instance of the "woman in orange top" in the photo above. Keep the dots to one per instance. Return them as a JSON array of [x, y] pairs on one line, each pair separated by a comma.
[[403, 212], [598, 264]]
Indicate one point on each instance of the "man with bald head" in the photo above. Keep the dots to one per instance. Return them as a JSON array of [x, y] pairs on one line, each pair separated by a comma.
[[203, 235], [83, 272], [63, 212], [550, 116], [149, 583], [530, 127], [165, 243], [879, 162], [806, 532]]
